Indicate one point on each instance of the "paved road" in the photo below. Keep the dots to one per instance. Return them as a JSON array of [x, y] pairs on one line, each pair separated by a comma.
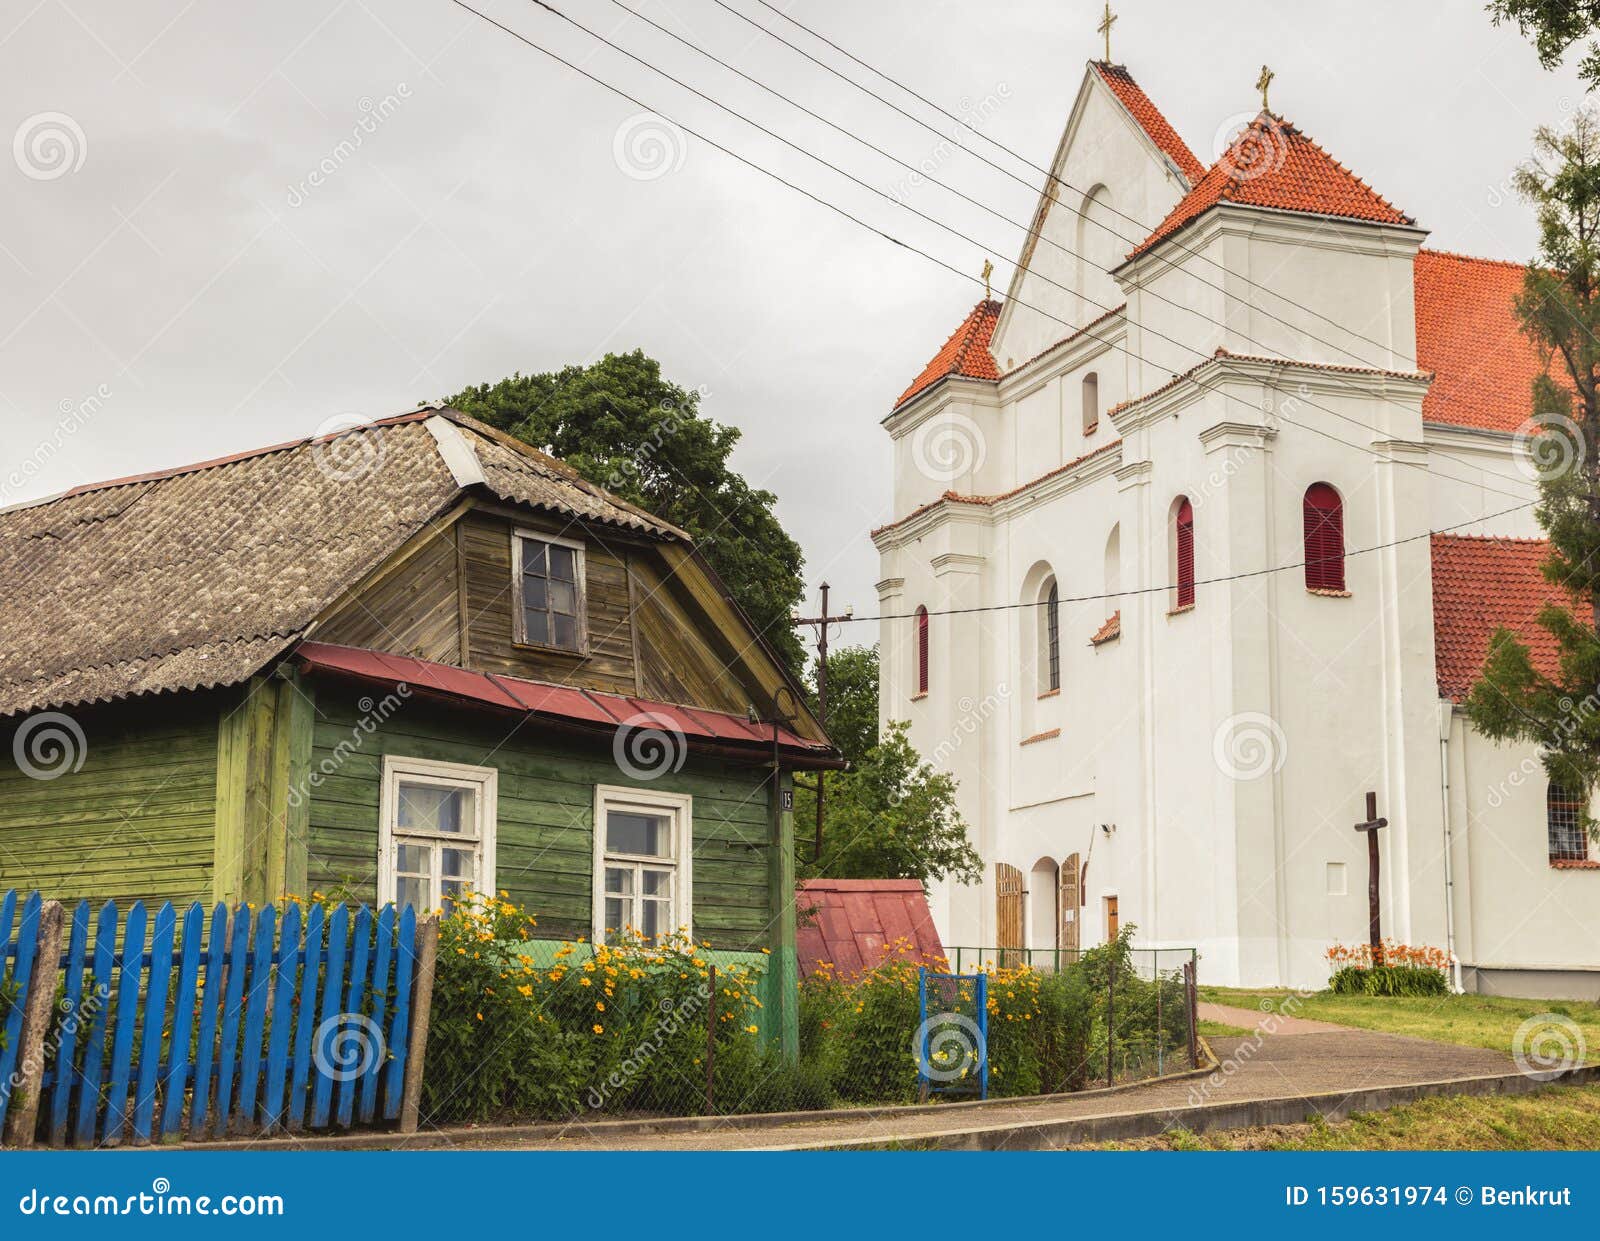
[[1290, 1062]]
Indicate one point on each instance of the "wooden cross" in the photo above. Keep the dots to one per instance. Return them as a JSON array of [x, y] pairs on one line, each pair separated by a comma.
[[1370, 827], [1106, 22], [1262, 82]]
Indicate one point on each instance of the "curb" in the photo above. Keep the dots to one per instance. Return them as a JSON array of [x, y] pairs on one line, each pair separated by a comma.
[[1249, 1113]]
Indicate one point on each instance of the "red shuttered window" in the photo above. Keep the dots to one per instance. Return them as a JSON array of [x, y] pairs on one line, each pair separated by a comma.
[[1324, 531], [922, 650], [1183, 534]]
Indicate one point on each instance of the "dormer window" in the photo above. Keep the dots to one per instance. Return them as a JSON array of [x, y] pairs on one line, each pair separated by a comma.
[[548, 572]]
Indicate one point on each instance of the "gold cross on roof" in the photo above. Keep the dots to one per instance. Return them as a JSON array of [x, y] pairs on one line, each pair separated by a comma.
[[1106, 22], [1262, 82], [988, 270]]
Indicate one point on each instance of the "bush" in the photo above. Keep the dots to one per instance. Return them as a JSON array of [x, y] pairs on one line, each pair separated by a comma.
[[1390, 980], [604, 1028]]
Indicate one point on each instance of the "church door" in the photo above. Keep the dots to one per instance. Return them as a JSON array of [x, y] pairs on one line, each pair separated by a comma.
[[1069, 905], [1008, 910]]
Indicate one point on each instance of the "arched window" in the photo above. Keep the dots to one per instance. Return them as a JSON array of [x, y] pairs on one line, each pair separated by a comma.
[[1050, 639], [1563, 816], [1183, 553], [922, 650], [1091, 402], [1324, 531]]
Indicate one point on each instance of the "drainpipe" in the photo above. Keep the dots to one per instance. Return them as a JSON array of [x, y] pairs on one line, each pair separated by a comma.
[[1446, 713]]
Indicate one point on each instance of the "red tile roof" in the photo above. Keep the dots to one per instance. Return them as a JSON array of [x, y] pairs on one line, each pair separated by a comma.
[[1273, 164], [1111, 629], [1149, 117], [1480, 584], [1468, 335], [853, 924], [966, 353], [566, 705]]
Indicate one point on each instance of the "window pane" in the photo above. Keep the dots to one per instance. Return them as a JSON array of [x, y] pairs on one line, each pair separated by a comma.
[[656, 918], [457, 864], [619, 879], [430, 808], [616, 914], [413, 892], [536, 626], [562, 564], [658, 883], [453, 888], [637, 833], [563, 597], [532, 558], [411, 860], [535, 593], [563, 632]]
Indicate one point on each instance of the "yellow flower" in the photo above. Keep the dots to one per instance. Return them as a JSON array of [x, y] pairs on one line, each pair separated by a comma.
[[584, 982], [600, 1006], [525, 991], [480, 1016], [751, 1029], [599, 1029]]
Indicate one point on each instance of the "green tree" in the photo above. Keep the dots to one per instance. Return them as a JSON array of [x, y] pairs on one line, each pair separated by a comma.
[[621, 424], [852, 699], [1554, 26], [1559, 309], [892, 816]]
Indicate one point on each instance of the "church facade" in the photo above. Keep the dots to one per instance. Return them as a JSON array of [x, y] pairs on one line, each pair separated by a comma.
[[1201, 534]]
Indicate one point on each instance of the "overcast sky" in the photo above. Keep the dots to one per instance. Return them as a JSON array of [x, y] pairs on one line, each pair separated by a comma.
[[224, 225]]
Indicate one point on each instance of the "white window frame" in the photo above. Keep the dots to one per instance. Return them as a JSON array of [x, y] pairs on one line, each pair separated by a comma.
[[485, 785], [519, 621], [679, 809]]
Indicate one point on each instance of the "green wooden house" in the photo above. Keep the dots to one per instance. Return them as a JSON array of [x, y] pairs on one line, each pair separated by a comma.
[[397, 662]]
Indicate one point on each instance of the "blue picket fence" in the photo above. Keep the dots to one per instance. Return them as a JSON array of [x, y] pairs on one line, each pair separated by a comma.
[[241, 1022]]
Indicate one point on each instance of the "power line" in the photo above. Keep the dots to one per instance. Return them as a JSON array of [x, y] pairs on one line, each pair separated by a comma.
[[1208, 581], [1047, 173], [951, 229]]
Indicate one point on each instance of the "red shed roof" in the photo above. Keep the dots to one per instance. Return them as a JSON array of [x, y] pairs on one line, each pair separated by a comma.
[[582, 708], [852, 924], [1273, 164], [1480, 584], [1133, 98]]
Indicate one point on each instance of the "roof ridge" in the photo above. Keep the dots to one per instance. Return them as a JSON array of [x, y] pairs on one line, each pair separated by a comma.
[[1490, 538], [152, 476], [1458, 256]]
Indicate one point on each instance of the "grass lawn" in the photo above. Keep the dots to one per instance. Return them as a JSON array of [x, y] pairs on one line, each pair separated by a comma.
[[1221, 1029], [1470, 1020], [1556, 1118]]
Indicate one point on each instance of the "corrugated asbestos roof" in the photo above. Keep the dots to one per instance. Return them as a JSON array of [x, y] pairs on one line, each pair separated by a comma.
[[199, 576]]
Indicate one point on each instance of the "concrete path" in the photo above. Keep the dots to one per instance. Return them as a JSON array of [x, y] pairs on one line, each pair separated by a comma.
[[1265, 1021], [1260, 1079]]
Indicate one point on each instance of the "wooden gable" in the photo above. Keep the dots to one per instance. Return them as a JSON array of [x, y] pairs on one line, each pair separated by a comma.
[[658, 624]]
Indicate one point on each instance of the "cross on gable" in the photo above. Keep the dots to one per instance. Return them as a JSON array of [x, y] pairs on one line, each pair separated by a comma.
[[1106, 22]]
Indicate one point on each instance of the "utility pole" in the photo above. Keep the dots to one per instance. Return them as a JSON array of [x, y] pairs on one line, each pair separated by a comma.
[[822, 622]]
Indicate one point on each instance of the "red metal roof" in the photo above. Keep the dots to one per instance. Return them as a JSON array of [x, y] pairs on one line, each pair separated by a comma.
[[1480, 584], [853, 924], [583, 707], [1149, 117], [966, 353], [1273, 164]]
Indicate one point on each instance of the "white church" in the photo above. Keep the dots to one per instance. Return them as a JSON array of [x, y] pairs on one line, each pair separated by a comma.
[[1200, 536]]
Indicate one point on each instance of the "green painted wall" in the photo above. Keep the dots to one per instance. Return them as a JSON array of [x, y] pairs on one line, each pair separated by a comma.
[[134, 822], [546, 811]]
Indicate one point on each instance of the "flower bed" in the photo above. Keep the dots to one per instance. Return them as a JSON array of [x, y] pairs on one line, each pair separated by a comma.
[[1388, 969]]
